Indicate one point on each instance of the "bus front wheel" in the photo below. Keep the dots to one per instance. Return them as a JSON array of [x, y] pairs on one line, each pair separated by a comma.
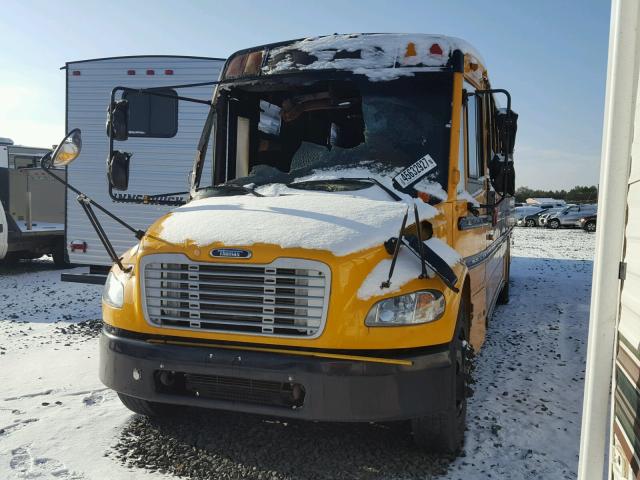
[[444, 432]]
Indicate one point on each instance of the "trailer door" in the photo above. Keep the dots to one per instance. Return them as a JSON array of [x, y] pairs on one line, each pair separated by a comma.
[[625, 455]]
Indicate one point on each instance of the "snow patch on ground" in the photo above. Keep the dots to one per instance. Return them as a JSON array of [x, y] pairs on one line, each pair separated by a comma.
[[58, 421], [524, 417]]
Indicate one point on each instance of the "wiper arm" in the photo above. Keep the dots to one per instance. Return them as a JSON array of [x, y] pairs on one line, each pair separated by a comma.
[[427, 257], [390, 192], [233, 189], [371, 180]]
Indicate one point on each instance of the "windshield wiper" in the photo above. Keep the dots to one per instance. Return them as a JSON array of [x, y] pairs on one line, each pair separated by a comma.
[[225, 190], [339, 180]]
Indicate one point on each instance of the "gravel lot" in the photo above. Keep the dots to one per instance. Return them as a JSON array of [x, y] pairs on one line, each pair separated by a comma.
[[57, 421]]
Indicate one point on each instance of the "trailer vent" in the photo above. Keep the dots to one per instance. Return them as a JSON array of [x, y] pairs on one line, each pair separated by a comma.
[[286, 298]]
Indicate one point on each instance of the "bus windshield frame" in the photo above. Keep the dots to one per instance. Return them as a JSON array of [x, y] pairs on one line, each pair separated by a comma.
[[301, 122]]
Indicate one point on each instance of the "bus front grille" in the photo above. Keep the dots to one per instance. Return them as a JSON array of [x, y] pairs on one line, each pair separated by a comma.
[[232, 389], [287, 297]]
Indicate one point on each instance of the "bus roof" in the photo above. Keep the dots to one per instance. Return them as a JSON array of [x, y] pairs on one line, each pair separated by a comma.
[[379, 56]]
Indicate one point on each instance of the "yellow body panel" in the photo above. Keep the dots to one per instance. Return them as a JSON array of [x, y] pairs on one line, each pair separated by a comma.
[[345, 328]]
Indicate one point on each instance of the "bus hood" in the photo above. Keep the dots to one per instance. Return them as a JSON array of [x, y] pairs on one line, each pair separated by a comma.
[[340, 224]]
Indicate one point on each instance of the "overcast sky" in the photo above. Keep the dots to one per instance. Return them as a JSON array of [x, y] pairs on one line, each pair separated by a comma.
[[551, 55]]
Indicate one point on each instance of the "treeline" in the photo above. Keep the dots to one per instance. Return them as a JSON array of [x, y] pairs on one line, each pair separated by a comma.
[[579, 194]]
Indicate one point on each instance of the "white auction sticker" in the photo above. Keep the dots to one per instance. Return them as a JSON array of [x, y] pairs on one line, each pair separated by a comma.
[[415, 172]]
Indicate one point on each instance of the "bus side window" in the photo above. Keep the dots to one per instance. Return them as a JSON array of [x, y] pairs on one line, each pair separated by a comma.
[[462, 151], [472, 137]]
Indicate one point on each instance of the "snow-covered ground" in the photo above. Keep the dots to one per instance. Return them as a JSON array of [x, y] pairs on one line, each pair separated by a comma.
[[58, 421], [526, 410]]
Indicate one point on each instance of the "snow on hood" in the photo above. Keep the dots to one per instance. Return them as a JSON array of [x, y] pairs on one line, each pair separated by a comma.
[[378, 55], [407, 268], [364, 170], [319, 221]]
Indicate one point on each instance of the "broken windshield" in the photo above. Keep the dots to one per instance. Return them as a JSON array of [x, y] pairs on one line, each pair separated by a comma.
[[270, 132]]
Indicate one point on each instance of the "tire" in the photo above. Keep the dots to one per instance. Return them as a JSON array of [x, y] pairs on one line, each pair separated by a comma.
[[530, 223], [146, 408], [590, 226], [503, 296], [555, 223], [59, 254], [11, 259], [444, 432]]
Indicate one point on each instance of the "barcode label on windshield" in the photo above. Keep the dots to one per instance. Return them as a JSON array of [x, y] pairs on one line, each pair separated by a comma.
[[415, 172]]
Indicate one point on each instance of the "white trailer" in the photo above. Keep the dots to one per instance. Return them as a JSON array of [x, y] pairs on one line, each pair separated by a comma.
[[31, 205], [611, 411], [165, 145]]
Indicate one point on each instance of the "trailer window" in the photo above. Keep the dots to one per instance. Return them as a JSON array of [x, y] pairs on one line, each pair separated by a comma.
[[24, 161], [152, 115]]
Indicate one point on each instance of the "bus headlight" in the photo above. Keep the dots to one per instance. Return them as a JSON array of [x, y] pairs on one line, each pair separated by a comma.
[[113, 293], [411, 309]]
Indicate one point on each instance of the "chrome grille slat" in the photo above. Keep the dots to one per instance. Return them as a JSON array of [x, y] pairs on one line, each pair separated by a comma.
[[237, 313], [239, 294], [288, 297], [238, 284], [233, 322], [231, 304], [231, 274]]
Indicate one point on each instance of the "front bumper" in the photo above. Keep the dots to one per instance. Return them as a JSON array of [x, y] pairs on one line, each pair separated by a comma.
[[334, 389]]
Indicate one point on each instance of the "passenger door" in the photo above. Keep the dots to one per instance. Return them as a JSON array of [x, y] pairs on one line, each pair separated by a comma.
[[473, 225], [497, 248]]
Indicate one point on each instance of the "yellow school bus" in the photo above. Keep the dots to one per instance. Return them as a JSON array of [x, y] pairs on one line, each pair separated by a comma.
[[343, 243]]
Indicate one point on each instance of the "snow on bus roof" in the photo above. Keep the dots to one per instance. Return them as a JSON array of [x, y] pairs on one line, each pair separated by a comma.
[[377, 55]]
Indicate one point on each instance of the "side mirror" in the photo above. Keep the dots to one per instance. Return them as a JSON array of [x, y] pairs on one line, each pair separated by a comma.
[[501, 169], [118, 170], [503, 175], [507, 123], [68, 150], [118, 120]]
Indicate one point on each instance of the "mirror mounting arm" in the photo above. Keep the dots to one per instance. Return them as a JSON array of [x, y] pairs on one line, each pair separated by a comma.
[[138, 233], [85, 203]]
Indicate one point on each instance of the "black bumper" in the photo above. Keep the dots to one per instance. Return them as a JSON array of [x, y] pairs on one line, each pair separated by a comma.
[[334, 390]]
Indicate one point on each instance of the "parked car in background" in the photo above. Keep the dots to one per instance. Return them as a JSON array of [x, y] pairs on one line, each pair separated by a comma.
[[568, 216], [545, 216], [588, 223], [522, 212], [533, 220]]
